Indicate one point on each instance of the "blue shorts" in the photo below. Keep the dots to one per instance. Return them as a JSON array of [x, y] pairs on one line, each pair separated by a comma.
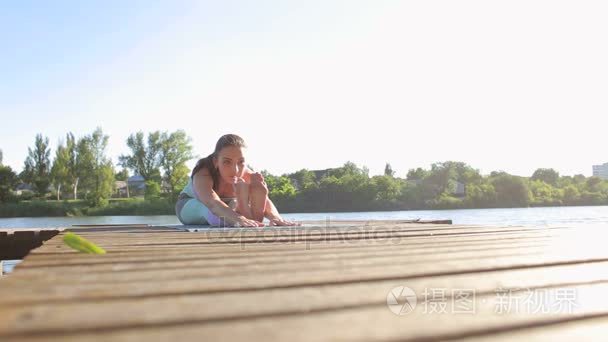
[[192, 211]]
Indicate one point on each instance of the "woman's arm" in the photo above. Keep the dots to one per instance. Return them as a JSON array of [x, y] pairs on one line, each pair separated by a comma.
[[272, 214]]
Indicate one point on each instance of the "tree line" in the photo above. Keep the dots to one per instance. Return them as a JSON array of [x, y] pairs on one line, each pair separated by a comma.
[[350, 188], [81, 169]]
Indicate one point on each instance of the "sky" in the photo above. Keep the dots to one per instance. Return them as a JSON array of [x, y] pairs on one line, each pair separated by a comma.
[[499, 85]]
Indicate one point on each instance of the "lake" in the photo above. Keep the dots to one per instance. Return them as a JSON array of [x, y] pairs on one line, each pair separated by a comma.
[[548, 216], [540, 217]]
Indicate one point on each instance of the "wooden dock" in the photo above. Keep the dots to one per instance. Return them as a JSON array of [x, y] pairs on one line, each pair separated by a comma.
[[16, 244], [374, 280]]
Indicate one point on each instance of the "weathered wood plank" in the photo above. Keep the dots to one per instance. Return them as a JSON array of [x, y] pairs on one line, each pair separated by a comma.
[[361, 322], [46, 317], [297, 284], [277, 279], [589, 329], [212, 251], [17, 243], [127, 262], [263, 236], [215, 268]]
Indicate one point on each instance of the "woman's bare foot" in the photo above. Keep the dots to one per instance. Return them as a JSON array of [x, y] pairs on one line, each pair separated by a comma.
[[258, 193], [242, 198]]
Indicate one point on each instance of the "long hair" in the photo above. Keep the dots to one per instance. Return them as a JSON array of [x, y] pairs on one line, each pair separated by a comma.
[[207, 162]]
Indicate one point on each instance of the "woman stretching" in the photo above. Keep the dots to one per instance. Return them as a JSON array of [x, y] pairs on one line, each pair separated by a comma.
[[222, 191]]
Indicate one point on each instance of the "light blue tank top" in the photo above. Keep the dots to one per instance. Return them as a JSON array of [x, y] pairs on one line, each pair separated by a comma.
[[189, 191]]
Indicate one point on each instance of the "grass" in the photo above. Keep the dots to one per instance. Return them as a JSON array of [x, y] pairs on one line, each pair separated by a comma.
[[116, 207]]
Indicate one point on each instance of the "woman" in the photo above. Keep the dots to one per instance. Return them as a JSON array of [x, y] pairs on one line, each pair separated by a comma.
[[222, 191]]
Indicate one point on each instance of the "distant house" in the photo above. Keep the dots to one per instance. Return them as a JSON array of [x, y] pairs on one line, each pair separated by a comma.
[[414, 182], [23, 188], [165, 187], [122, 190], [321, 173], [459, 191], [137, 185]]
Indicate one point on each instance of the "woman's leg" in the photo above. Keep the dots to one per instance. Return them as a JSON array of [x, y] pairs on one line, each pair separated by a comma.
[[242, 199], [251, 199], [258, 194], [192, 211]]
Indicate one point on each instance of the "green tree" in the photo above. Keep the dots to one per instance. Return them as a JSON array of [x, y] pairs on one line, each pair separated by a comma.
[[511, 191], [544, 193], [38, 165], [388, 170], [71, 149], [445, 175], [85, 166], [593, 184], [279, 187], [442, 178], [1, 156], [60, 173], [349, 168], [387, 188], [175, 151], [145, 158], [95, 170], [579, 179], [152, 190], [8, 180], [104, 185], [481, 195], [417, 174], [549, 176], [572, 195], [122, 175], [303, 179]]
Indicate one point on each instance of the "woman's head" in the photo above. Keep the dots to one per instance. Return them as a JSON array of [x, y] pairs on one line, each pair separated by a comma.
[[227, 160]]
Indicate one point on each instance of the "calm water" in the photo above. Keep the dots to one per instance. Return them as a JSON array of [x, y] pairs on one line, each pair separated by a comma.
[[540, 217], [551, 216]]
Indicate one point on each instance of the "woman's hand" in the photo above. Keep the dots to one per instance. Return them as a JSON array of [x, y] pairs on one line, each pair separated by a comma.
[[242, 221], [278, 221]]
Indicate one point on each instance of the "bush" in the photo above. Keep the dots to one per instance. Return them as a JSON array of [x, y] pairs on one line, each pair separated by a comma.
[[96, 199], [158, 206], [152, 190]]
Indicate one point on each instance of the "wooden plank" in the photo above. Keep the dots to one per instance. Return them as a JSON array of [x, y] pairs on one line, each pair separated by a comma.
[[158, 254], [17, 243], [128, 262], [216, 268], [593, 328], [269, 238], [200, 279], [364, 322], [305, 285], [177, 308]]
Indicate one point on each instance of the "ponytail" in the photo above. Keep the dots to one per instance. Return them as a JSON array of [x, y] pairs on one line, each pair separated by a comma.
[[207, 163]]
